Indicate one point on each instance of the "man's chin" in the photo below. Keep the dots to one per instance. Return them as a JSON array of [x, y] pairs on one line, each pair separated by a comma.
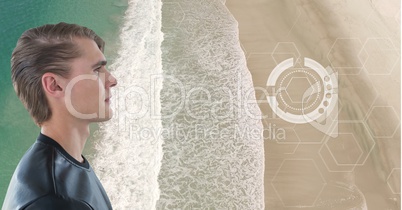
[[104, 117]]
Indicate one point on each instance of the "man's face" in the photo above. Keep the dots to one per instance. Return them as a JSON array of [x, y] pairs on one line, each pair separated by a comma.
[[87, 94]]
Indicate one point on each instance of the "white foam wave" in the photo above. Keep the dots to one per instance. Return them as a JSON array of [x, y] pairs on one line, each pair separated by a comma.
[[128, 163], [213, 148]]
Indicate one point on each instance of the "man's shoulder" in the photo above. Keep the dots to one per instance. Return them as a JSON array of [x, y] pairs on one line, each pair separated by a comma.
[[36, 164], [53, 201], [46, 171], [33, 177]]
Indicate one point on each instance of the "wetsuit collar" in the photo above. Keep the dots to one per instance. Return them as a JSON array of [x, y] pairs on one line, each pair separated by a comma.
[[49, 141]]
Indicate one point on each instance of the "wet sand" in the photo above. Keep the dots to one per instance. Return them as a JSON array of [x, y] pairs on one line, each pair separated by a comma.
[[360, 41]]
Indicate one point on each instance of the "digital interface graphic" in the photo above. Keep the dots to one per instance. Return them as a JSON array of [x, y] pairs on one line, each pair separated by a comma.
[[305, 95], [233, 104], [327, 82]]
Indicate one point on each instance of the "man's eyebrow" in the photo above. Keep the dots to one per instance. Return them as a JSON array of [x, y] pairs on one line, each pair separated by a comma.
[[99, 63]]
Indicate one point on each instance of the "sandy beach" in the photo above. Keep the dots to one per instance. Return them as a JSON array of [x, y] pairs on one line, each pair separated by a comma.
[[359, 167], [326, 75]]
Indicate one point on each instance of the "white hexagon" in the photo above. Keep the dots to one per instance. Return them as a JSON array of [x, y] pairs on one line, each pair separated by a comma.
[[285, 50], [364, 145], [394, 181], [330, 162], [344, 149], [289, 143], [383, 121], [343, 56], [379, 56], [302, 84], [298, 178]]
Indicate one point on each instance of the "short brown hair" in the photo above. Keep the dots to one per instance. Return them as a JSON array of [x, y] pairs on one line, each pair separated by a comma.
[[47, 48]]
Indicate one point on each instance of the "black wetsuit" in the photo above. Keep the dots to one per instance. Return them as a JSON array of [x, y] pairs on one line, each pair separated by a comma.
[[48, 178]]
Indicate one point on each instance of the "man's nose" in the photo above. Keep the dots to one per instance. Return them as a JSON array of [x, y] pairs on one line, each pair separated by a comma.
[[111, 80]]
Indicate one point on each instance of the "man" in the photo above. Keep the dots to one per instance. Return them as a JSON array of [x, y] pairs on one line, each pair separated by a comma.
[[58, 72]]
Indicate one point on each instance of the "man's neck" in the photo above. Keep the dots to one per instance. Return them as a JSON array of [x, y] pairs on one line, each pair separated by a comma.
[[71, 136]]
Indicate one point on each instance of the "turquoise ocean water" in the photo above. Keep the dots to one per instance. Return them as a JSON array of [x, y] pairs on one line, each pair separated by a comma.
[[17, 129], [184, 135]]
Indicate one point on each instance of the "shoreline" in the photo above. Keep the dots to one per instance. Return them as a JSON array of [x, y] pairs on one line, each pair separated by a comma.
[[333, 35]]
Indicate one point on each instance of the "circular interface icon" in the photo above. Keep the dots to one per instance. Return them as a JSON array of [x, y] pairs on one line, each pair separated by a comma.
[[302, 95]]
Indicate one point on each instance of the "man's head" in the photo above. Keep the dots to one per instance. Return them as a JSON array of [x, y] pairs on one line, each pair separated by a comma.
[[44, 57]]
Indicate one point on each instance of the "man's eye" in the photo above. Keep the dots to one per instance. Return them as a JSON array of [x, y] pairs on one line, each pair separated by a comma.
[[97, 70]]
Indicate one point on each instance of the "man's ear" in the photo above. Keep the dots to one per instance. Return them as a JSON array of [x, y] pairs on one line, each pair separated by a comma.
[[51, 84]]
